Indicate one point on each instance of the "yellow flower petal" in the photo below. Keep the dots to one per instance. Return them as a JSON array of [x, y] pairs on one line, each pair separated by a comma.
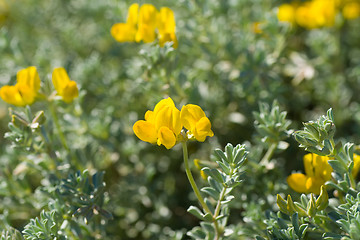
[[66, 88], [322, 168], [166, 20], [356, 167], [167, 102], [169, 117], [123, 32], [133, 13], [297, 181], [11, 95], [168, 37], [203, 129], [30, 77], [28, 94], [70, 92], [166, 27], [150, 116], [145, 33], [147, 24], [60, 79], [308, 164], [313, 185], [286, 13], [351, 10], [145, 131], [166, 137], [190, 115]]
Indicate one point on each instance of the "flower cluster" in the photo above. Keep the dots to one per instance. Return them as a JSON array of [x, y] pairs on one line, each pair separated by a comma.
[[163, 125], [26, 90], [318, 13], [145, 23], [317, 172]]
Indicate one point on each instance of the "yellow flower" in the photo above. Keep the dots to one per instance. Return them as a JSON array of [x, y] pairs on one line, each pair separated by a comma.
[[193, 118], [351, 10], [166, 27], [25, 90], [317, 172], [147, 24], [316, 13], [65, 87], [256, 27], [356, 167], [161, 126], [125, 32], [286, 13]]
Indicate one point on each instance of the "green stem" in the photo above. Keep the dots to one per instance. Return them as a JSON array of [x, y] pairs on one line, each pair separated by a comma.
[[191, 179], [58, 127], [219, 232], [265, 160]]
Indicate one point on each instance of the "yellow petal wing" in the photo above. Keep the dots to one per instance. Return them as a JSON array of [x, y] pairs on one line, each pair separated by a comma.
[[313, 185], [356, 167], [308, 164], [70, 92], [28, 95], [145, 131], [133, 12], [30, 77], [203, 129], [11, 95], [166, 137], [297, 181], [190, 114], [60, 79], [123, 32]]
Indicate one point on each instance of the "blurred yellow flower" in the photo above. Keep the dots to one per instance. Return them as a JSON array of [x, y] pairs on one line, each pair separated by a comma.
[[161, 126], [125, 32], [25, 90], [317, 172], [145, 24], [166, 27], [286, 13], [316, 14], [256, 27], [193, 118], [148, 15], [356, 167], [199, 166], [309, 14], [351, 10], [65, 87]]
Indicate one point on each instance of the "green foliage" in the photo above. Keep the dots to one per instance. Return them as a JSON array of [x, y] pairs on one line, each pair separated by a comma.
[[11, 234], [79, 196], [317, 136], [255, 77], [44, 227], [271, 124], [221, 183]]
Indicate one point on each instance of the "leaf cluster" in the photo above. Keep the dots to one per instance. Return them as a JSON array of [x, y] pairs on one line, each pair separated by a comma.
[[221, 181]]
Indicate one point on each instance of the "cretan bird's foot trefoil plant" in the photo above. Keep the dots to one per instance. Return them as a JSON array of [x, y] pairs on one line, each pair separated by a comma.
[[167, 126]]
